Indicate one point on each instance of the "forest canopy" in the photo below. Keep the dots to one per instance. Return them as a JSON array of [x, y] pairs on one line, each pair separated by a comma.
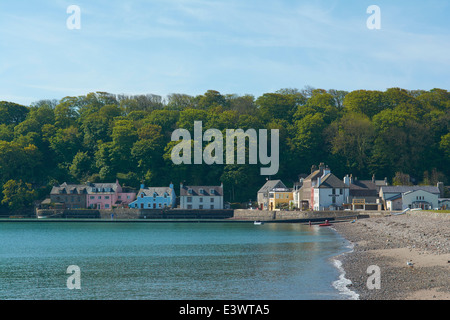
[[101, 137]]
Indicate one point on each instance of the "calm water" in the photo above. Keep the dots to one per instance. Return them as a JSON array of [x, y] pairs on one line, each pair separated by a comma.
[[169, 261]]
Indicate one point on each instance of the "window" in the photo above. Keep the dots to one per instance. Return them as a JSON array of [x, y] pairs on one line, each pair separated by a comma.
[[106, 205], [200, 206], [160, 205], [190, 191], [212, 191], [106, 197], [99, 197], [142, 195], [92, 197], [201, 199], [277, 196], [201, 191], [149, 205], [212, 206], [211, 200], [189, 199], [341, 191], [119, 197], [128, 197], [189, 206]]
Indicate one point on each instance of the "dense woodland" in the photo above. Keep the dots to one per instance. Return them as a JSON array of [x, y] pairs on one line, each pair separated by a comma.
[[399, 134]]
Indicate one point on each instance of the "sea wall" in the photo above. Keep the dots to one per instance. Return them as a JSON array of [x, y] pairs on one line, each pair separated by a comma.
[[130, 214], [245, 214]]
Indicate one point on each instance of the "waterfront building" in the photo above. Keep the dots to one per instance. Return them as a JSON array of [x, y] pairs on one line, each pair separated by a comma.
[[363, 194], [280, 198], [263, 193], [201, 197], [322, 190], [155, 198], [108, 196], [328, 192], [412, 197], [67, 196]]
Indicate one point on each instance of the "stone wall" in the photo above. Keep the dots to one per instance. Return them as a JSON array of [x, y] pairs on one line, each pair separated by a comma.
[[245, 214]]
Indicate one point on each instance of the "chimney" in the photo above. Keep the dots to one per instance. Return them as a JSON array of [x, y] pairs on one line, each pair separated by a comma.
[[321, 167], [326, 171], [373, 178], [347, 180], [318, 182], [351, 178], [440, 185], [313, 168]]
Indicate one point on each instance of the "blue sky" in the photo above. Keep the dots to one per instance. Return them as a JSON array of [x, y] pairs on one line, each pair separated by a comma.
[[232, 46]]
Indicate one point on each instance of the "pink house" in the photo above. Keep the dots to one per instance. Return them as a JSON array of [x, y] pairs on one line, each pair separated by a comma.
[[108, 196]]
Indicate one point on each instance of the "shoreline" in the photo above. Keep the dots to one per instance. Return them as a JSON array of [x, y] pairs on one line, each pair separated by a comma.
[[389, 242]]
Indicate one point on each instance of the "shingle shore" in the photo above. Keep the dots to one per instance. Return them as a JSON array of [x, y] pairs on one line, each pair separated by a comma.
[[389, 242]]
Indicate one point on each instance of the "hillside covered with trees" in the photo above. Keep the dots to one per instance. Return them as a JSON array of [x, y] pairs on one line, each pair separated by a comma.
[[101, 137]]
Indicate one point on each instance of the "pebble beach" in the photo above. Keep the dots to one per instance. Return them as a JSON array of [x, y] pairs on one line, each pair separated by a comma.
[[412, 252]]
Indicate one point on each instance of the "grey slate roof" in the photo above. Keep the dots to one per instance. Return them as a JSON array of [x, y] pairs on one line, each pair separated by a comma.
[[69, 189], [270, 184], [403, 189], [361, 188], [218, 191], [331, 181], [149, 192]]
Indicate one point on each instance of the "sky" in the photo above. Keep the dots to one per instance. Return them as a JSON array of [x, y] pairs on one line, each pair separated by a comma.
[[231, 46]]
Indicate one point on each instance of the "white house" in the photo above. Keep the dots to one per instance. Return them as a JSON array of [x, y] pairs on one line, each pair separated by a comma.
[[201, 197], [420, 199], [403, 197], [329, 192]]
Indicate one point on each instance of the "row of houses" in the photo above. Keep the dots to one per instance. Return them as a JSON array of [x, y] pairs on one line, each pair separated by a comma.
[[322, 190], [107, 196]]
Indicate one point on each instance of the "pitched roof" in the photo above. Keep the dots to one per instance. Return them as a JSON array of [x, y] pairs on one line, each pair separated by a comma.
[[270, 184], [217, 190], [403, 189], [149, 192], [362, 188], [331, 181], [69, 189]]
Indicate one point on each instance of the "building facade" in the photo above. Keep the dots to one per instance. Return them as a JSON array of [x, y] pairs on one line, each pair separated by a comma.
[[263, 193], [108, 196], [201, 197], [155, 198], [280, 198], [403, 197], [69, 196]]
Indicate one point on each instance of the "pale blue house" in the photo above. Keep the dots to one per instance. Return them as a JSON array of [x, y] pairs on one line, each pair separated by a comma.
[[154, 198]]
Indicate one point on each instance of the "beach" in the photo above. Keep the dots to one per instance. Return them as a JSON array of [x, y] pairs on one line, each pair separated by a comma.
[[389, 242]]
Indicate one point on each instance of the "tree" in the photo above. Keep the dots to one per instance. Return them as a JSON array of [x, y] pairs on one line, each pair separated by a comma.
[[12, 113], [81, 166], [366, 102], [278, 106], [351, 137], [18, 194]]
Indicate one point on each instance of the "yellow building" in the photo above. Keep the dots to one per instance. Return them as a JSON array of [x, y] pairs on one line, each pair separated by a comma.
[[280, 198]]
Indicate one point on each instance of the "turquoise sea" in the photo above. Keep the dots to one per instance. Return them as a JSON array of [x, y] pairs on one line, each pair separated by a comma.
[[169, 261]]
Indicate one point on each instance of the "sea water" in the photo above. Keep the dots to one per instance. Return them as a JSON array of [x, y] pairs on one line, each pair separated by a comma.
[[170, 261]]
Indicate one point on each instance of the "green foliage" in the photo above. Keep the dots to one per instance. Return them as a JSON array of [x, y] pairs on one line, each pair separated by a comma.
[[102, 137], [17, 194]]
